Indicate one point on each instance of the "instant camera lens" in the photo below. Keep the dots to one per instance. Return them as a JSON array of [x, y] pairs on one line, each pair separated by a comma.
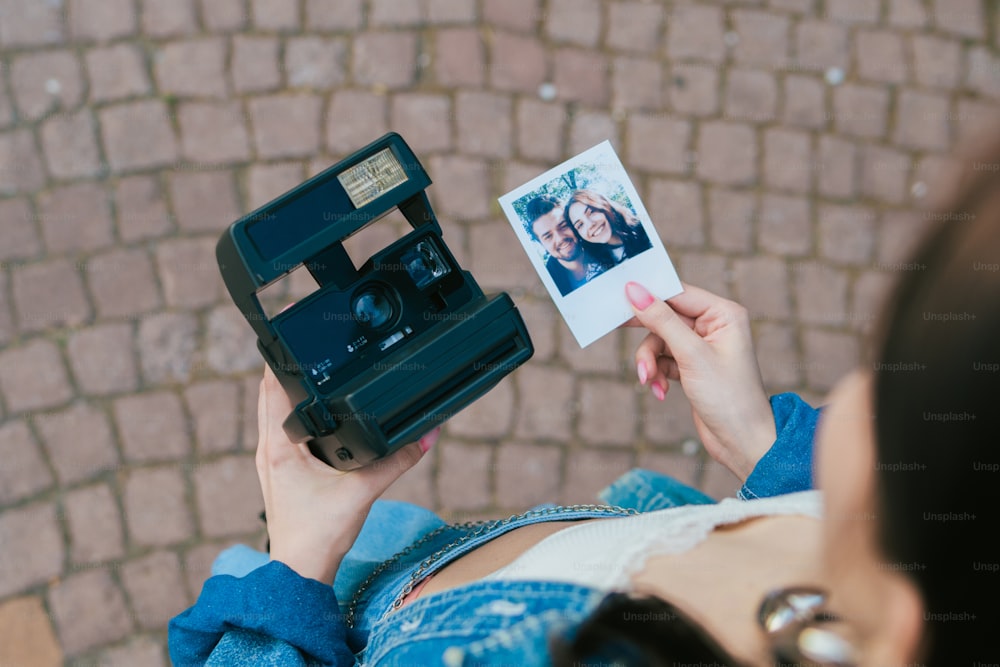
[[424, 264], [373, 306]]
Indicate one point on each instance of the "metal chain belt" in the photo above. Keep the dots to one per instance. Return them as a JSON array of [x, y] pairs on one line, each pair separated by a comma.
[[480, 527]]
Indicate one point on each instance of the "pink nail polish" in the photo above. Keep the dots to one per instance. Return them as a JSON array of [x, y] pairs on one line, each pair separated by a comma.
[[658, 392], [643, 375], [638, 295], [429, 440]]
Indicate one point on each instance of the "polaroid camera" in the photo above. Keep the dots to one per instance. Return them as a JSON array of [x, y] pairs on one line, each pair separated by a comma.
[[381, 353]]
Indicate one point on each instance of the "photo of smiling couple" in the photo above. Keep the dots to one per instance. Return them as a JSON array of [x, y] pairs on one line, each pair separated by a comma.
[[584, 234]]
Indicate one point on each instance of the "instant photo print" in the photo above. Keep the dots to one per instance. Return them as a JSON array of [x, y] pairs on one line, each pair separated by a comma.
[[380, 353], [587, 234]]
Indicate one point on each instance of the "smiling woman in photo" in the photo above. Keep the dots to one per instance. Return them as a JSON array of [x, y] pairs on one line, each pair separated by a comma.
[[602, 222]]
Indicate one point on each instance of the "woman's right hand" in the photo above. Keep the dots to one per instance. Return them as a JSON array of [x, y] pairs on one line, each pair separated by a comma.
[[703, 341]]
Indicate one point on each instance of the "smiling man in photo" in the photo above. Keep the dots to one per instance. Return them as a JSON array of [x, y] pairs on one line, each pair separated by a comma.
[[569, 263]]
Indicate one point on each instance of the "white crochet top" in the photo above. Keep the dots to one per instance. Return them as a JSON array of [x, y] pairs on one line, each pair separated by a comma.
[[606, 554]]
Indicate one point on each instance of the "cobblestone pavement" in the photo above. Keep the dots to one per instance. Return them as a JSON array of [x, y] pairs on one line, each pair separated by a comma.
[[785, 147]]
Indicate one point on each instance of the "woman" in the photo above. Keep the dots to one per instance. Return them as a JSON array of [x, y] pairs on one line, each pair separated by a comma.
[[904, 550], [606, 225]]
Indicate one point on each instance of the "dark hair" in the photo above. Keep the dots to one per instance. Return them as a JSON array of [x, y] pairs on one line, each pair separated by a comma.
[[622, 220], [538, 207], [937, 514]]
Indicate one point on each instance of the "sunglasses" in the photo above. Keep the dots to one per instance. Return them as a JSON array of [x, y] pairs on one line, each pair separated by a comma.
[[802, 633]]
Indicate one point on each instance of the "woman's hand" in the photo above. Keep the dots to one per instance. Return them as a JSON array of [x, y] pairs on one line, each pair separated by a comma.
[[315, 512], [703, 341]]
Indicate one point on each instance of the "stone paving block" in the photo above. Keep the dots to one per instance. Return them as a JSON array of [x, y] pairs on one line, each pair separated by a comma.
[[922, 121], [941, 174], [155, 588], [285, 125], [751, 96], [489, 417], [142, 210], [267, 181], [677, 212], [761, 285], [149, 119], [606, 412], [658, 144], [983, 72], [167, 345], [140, 650], [964, 18], [70, 145], [777, 356], [539, 129], [581, 76], [230, 344], [255, 65], [937, 62], [6, 319], [602, 356], [788, 160], [763, 38], [522, 15], [461, 187], [212, 133], [681, 467], [168, 18], [694, 89], [458, 57], [899, 234], [820, 45], [197, 565], [718, 482], [424, 120], [885, 173], [828, 356], [23, 471], [224, 15], [152, 427], [6, 109], [497, 260], [20, 165], [73, 601], [49, 294], [249, 394], [31, 24], [189, 272], [440, 12], [215, 412], [634, 26], [228, 496], [155, 511], [880, 57], [545, 411], [26, 635], [727, 153], [868, 297], [541, 319], [75, 218], [334, 14], [354, 117], [636, 83], [18, 234], [820, 293], [395, 13], [861, 111], [192, 68], [731, 214], [101, 20], [33, 547], [95, 525], [516, 63], [804, 102], [275, 15], [315, 62], [79, 442], [907, 13], [464, 473], [204, 201], [837, 169], [784, 226], [386, 59], [574, 21], [854, 11], [588, 471], [102, 359], [704, 270], [696, 32], [526, 475], [804, 7], [974, 119], [44, 80], [122, 283], [846, 233], [589, 128]]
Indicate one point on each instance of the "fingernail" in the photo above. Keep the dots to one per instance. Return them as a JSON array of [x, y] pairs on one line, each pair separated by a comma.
[[429, 440], [658, 392], [638, 295], [643, 376]]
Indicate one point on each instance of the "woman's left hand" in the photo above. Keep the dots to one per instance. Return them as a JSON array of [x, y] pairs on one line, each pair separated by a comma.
[[314, 511]]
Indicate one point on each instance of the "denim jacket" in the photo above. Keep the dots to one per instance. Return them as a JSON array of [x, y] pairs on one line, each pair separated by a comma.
[[259, 612]]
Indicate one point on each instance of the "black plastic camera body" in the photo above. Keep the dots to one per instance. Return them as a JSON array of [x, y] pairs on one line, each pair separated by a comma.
[[381, 353]]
